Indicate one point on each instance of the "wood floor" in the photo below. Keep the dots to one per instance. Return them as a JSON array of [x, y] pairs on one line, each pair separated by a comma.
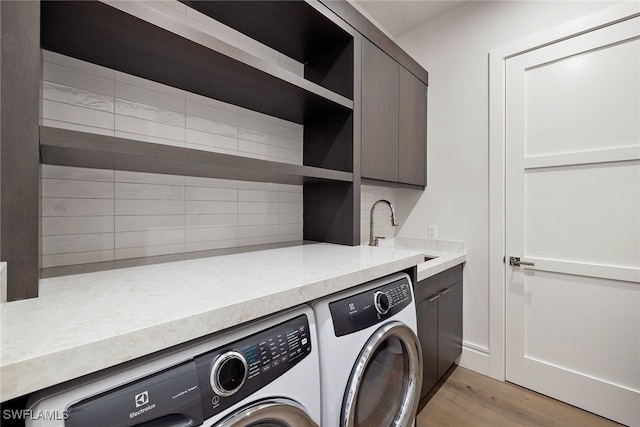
[[466, 398]]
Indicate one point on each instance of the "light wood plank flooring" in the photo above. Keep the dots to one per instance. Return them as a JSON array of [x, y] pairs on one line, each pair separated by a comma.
[[465, 398]]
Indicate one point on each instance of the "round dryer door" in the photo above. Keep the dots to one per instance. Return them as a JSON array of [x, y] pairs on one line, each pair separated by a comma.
[[270, 413], [384, 387]]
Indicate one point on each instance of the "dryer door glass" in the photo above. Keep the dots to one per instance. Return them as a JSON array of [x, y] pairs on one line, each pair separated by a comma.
[[383, 388], [270, 413]]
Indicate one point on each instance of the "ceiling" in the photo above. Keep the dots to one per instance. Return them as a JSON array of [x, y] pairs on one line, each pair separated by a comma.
[[399, 16]]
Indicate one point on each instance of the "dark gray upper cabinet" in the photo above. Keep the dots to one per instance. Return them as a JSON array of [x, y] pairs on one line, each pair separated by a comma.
[[412, 140], [379, 114], [394, 120]]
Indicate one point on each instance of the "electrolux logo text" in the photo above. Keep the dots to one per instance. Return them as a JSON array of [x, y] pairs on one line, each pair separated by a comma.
[[141, 400], [28, 414]]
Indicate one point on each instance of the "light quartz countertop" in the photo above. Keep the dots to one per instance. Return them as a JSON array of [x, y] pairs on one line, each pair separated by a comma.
[[87, 322]]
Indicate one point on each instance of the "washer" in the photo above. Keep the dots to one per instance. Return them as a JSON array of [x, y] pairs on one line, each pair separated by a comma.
[[263, 373], [370, 356]]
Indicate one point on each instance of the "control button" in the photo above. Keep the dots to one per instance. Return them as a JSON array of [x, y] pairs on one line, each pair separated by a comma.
[[265, 368], [381, 302], [304, 341], [284, 358], [215, 400]]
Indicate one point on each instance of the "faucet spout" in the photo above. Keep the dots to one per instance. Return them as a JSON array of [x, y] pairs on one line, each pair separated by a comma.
[[373, 241]]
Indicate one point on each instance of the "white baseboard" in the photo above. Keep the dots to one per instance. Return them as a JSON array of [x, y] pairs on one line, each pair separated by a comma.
[[475, 358]]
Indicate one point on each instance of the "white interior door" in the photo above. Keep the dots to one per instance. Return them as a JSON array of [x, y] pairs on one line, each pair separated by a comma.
[[573, 210]]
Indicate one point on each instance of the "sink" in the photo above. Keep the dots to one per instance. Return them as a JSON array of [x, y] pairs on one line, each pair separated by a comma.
[[429, 258]]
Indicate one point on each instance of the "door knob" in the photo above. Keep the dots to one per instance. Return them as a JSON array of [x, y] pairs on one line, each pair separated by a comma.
[[515, 261]]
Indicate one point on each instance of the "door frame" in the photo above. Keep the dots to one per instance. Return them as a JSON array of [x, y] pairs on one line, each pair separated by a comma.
[[497, 169]]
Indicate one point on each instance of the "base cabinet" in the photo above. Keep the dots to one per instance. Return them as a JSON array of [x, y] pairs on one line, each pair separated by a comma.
[[439, 312]]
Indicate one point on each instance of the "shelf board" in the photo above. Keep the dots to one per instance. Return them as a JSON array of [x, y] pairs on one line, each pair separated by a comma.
[[72, 148], [133, 38], [303, 32]]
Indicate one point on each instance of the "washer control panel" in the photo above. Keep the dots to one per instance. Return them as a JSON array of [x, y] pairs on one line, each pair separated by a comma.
[[241, 368], [360, 311]]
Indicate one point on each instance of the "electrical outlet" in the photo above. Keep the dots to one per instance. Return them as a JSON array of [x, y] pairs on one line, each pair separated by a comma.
[[433, 231]]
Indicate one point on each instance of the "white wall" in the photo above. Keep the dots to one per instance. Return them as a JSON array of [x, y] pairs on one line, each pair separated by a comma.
[[454, 49]]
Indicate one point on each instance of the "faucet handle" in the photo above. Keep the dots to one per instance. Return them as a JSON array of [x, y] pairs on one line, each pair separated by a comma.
[[376, 238]]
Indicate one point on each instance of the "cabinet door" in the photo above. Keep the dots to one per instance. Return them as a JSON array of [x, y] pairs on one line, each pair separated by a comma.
[[449, 327], [379, 114], [412, 118], [427, 312]]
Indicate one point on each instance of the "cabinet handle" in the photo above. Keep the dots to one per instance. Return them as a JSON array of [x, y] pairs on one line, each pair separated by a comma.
[[435, 297], [445, 291]]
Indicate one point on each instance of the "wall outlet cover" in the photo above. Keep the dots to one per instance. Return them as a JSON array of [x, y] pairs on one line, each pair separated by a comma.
[[433, 232]]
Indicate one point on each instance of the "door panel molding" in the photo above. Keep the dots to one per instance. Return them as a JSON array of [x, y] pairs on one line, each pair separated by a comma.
[[609, 155], [624, 274]]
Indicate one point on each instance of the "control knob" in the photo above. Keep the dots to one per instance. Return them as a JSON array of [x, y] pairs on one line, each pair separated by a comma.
[[228, 374], [381, 302]]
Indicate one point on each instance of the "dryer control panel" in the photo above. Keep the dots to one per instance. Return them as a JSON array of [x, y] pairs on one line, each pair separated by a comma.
[[241, 368], [360, 311]]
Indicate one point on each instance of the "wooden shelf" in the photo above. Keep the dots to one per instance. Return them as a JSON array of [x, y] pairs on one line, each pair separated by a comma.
[[72, 148], [136, 39], [294, 28]]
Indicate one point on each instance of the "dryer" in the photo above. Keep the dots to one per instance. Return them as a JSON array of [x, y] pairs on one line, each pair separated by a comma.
[[370, 356], [262, 373]]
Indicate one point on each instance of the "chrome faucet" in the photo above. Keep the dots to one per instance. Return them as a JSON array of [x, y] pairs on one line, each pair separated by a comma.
[[373, 241]]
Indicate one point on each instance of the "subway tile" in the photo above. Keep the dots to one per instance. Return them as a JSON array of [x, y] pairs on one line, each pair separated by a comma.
[[291, 130], [79, 115], [210, 126], [147, 251], [148, 191], [290, 218], [153, 97], [205, 221], [290, 188], [211, 140], [147, 127], [148, 178], [210, 245], [213, 110], [78, 97], [257, 196], [80, 79], [290, 208], [76, 64], [134, 239], [258, 137], [72, 126], [290, 144], [76, 189], [257, 207], [71, 172], [152, 139], [257, 122], [56, 226], [76, 243], [212, 233], [149, 112], [290, 197], [199, 99], [257, 219], [257, 231], [149, 222], [290, 238], [264, 240], [290, 156], [143, 87], [76, 207], [196, 181], [253, 185], [208, 193], [149, 207], [208, 207], [257, 156], [211, 149], [58, 260], [284, 229], [253, 148]]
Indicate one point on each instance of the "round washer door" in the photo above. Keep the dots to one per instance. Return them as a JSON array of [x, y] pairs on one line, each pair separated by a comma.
[[270, 413], [384, 387]]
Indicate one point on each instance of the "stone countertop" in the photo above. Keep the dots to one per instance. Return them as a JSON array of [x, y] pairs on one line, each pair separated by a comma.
[[87, 322]]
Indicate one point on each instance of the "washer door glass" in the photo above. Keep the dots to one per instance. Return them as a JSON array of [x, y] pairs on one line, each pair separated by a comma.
[[269, 413], [383, 389]]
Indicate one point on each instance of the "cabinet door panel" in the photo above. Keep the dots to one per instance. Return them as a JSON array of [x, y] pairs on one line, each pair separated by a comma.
[[379, 114], [427, 312], [449, 327], [412, 115]]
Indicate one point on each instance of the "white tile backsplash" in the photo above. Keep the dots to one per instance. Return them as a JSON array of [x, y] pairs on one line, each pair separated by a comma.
[[91, 215], [369, 194]]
